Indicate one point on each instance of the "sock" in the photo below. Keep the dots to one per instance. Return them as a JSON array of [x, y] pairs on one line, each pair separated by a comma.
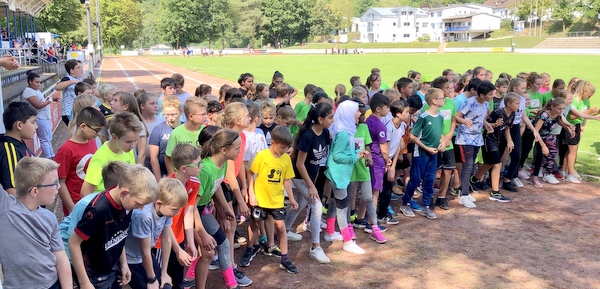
[[441, 197], [284, 257], [352, 212]]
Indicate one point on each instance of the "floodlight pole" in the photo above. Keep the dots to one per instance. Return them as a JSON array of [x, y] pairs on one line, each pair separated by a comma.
[[90, 46], [99, 43]]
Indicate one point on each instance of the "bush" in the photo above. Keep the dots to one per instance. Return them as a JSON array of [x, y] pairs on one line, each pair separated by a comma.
[[424, 38]]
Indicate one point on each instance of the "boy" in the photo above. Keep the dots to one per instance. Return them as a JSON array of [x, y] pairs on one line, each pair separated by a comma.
[[20, 121], [274, 171], [147, 225], [30, 249], [406, 87], [74, 154], [99, 239], [282, 93], [426, 135], [74, 69], [157, 143], [396, 128], [309, 90], [167, 88], [125, 129], [179, 83], [83, 88], [267, 124], [380, 106], [355, 80], [195, 112]]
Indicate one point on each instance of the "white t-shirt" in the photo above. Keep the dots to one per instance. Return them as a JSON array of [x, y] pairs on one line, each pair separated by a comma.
[[394, 136], [255, 142], [42, 113]]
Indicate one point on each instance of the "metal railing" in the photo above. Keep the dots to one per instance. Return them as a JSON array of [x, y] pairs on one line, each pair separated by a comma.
[[582, 34]]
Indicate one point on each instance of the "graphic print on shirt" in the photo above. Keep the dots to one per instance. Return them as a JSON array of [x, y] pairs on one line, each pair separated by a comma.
[[82, 166], [274, 175], [319, 153]]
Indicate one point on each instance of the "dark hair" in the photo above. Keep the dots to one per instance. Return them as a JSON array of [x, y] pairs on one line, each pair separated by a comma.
[[70, 65], [17, 111], [81, 87], [315, 112], [183, 154], [213, 106], [233, 93], [447, 71], [318, 96], [505, 75], [558, 82], [342, 99], [403, 82], [90, 81], [473, 83], [166, 82], [551, 102], [439, 82], [414, 74], [91, 117], [220, 139], [398, 107], [476, 70], [178, 79], [415, 102], [309, 89], [207, 134], [531, 79], [281, 134], [485, 87], [375, 70], [372, 78], [31, 76], [203, 90], [276, 75], [112, 171], [355, 80], [243, 77], [378, 100]]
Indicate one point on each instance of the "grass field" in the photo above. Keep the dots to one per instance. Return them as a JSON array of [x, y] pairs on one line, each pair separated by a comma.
[[328, 70], [520, 42]]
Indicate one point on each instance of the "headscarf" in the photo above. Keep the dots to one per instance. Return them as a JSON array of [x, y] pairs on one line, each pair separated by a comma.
[[344, 119]]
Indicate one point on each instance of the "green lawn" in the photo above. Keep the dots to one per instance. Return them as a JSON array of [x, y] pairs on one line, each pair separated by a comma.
[[328, 70]]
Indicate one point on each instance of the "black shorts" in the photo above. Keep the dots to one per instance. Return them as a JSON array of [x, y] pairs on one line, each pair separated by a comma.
[[258, 214], [492, 151], [447, 160], [410, 147], [566, 136], [404, 163], [228, 193]]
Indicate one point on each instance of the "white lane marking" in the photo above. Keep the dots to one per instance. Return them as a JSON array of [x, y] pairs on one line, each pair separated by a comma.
[[187, 77], [127, 75], [158, 77]]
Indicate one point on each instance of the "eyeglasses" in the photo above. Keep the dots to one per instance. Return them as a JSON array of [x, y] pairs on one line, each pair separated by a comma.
[[440, 98], [196, 165], [170, 114], [96, 130], [55, 184]]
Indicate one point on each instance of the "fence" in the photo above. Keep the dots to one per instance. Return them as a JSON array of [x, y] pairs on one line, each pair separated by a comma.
[[582, 34]]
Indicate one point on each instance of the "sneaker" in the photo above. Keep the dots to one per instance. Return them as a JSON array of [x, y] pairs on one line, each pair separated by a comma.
[[273, 251], [551, 179], [249, 256], [427, 212], [577, 175], [394, 197], [407, 211], [319, 255], [517, 183], [391, 211], [466, 201], [389, 219], [455, 191], [241, 278], [369, 228], [291, 236], [214, 265], [572, 179], [559, 174], [360, 224], [472, 198], [473, 185], [415, 206], [523, 175], [288, 266], [442, 203], [497, 196], [188, 282], [336, 236], [378, 237], [508, 186], [351, 247], [353, 218], [536, 182]]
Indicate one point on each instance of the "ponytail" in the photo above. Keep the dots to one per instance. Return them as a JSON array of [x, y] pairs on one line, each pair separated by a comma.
[[223, 138], [319, 110]]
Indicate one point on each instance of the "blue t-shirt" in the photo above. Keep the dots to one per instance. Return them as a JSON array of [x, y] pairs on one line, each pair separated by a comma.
[[160, 137], [476, 112], [67, 226], [459, 100], [145, 223]]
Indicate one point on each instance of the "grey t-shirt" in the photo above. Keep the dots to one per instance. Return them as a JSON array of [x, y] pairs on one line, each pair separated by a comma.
[[145, 223], [28, 242]]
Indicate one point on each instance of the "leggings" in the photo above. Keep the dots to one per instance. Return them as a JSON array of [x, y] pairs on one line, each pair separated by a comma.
[[468, 154], [212, 227], [527, 144], [546, 162], [366, 194], [340, 202], [65, 119], [315, 210], [515, 154]]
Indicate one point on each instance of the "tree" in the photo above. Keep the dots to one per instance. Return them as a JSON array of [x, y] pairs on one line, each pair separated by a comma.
[[121, 23], [589, 8], [344, 11], [150, 35], [285, 19], [60, 16], [533, 9], [361, 6], [251, 20], [563, 10], [322, 20], [179, 22], [220, 19]]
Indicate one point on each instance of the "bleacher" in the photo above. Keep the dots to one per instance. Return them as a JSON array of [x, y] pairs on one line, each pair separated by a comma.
[[570, 42], [15, 81]]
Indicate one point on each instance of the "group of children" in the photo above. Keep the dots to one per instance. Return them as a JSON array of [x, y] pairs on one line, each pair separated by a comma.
[[153, 197]]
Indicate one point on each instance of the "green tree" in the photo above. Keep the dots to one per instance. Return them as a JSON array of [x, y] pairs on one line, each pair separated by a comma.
[[60, 16], [322, 20], [285, 19], [344, 11], [563, 10], [533, 8], [149, 35], [220, 19], [121, 23], [179, 22], [251, 19], [589, 8]]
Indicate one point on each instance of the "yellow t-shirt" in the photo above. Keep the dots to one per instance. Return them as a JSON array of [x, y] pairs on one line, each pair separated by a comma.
[[101, 157], [270, 174]]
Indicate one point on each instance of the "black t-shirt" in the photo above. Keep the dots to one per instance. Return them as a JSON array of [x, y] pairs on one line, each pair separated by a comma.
[[106, 111], [267, 131], [103, 227], [507, 121], [316, 148], [497, 102], [11, 151]]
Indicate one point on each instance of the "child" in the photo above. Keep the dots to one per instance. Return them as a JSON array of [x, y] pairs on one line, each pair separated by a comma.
[[30, 237], [557, 87], [245, 81], [74, 154], [380, 106], [480, 72], [287, 117], [545, 87], [179, 83], [203, 90], [125, 101], [101, 234], [471, 119], [255, 137], [360, 93], [534, 81], [125, 129], [276, 81], [167, 88], [213, 110], [261, 94], [501, 89], [83, 88], [35, 97], [268, 113], [223, 147], [106, 92], [274, 171], [339, 91], [282, 93], [154, 220], [81, 102], [311, 146], [74, 70], [160, 136], [405, 87], [342, 157], [426, 135], [20, 122], [373, 84], [355, 81], [148, 106], [309, 91], [195, 112]]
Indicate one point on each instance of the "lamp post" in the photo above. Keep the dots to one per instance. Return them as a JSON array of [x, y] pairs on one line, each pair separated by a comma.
[[99, 43], [90, 46]]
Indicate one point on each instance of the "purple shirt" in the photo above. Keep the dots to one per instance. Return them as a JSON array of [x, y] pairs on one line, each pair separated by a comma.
[[378, 134]]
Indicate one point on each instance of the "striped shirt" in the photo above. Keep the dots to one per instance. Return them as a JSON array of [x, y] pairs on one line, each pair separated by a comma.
[[11, 151]]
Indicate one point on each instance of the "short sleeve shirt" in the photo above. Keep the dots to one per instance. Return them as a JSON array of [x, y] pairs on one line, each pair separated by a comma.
[[476, 112], [362, 138], [394, 136], [448, 112], [74, 159], [145, 223], [100, 158], [378, 134], [507, 121], [255, 142], [428, 128], [271, 172], [68, 96], [160, 138], [581, 106], [548, 125], [11, 151], [316, 148], [211, 177], [182, 135], [42, 113]]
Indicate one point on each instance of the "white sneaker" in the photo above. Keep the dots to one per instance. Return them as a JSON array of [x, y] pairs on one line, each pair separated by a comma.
[[323, 224], [572, 179], [517, 183], [577, 175], [336, 236], [551, 179], [472, 198], [351, 247], [466, 201], [523, 174], [291, 236], [319, 255]]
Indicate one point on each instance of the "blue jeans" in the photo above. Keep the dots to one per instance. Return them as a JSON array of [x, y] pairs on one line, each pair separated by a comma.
[[423, 170]]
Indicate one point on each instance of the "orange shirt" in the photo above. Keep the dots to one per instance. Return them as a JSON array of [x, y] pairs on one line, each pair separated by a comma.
[[239, 161]]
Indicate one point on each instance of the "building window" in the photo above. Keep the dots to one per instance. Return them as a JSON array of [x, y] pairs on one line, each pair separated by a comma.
[[439, 14], [406, 35], [394, 24], [406, 23], [403, 13], [417, 29], [432, 25], [431, 14], [410, 13], [425, 24], [394, 35]]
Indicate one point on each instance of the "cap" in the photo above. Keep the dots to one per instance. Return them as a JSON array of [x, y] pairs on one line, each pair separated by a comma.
[[426, 78]]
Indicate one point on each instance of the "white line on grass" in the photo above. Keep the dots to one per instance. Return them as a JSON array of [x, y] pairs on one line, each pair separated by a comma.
[[127, 75]]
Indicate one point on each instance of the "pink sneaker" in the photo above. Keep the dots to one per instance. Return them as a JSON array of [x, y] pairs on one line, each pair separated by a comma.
[[536, 182], [377, 236]]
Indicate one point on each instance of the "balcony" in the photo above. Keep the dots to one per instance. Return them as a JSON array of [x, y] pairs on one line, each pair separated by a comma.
[[457, 28]]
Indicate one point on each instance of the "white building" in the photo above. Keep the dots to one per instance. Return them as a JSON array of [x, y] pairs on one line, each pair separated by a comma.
[[503, 8], [407, 24]]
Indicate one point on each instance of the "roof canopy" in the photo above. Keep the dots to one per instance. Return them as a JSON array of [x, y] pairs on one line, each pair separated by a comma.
[[31, 7]]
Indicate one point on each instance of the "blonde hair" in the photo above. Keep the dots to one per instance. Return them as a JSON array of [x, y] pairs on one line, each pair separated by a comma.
[[140, 181], [104, 89], [31, 172], [392, 94], [124, 122], [339, 90], [171, 101], [583, 86], [433, 93], [267, 108], [172, 192], [81, 102], [515, 82], [190, 102], [232, 112]]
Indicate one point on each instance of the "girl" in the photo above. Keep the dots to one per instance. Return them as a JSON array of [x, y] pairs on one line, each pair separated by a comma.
[[277, 80], [81, 102], [106, 92], [125, 101], [261, 94], [480, 72], [160, 136], [339, 91], [222, 92], [224, 147], [545, 82], [148, 104], [268, 113], [202, 90], [462, 83], [285, 115], [415, 76], [373, 84], [230, 94], [311, 146], [245, 81], [573, 84], [501, 89], [545, 151], [340, 163], [580, 111], [40, 102], [534, 82], [213, 110]]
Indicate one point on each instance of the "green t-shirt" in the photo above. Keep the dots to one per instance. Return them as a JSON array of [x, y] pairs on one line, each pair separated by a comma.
[[101, 157], [537, 102], [362, 138], [546, 96], [581, 106], [210, 178], [181, 135], [298, 109], [448, 112], [428, 128]]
